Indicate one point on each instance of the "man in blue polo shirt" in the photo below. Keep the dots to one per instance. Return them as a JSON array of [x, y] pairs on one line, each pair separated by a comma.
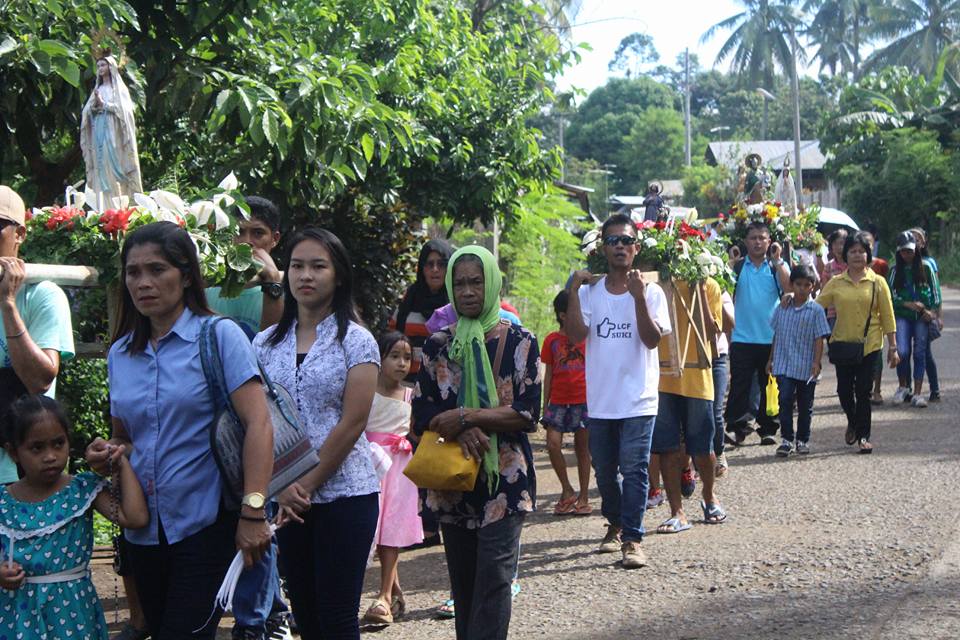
[[762, 279]]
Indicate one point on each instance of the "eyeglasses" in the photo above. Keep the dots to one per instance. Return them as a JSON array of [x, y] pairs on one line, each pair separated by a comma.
[[435, 264], [612, 241]]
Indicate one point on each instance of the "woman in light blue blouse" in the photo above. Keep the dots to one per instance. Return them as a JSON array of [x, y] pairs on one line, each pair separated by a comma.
[[161, 410], [321, 353]]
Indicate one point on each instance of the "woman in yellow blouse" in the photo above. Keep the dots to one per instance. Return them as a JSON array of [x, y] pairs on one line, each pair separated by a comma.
[[858, 294]]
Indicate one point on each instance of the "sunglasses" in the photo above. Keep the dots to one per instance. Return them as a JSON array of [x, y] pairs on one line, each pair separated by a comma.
[[612, 241], [435, 264]]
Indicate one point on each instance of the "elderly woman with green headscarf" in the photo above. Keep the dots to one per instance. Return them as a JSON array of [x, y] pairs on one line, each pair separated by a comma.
[[487, 404]]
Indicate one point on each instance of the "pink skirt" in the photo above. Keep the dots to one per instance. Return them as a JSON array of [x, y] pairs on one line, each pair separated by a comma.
[[399, 524]]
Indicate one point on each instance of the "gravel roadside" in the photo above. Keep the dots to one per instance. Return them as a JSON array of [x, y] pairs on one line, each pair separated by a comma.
[[833, 545]]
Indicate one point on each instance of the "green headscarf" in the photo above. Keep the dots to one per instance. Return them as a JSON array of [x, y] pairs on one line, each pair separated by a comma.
[[478, 387]]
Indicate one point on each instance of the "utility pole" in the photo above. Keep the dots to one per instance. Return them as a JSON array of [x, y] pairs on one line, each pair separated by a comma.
[[686, 102], [797, 167], [766, 96]]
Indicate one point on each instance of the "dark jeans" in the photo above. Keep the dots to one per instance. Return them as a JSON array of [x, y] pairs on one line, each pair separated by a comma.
[[854, 383], [721, 376], [178, 582], [792, 389], [324, 560], [482, 563], [748, 362], [932, 376]]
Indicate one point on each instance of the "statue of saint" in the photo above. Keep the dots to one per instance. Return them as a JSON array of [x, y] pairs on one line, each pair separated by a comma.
[[108, 136], [786, 192], [754, 179]]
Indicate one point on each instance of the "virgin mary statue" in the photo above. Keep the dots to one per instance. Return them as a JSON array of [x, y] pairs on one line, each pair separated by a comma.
[[108, 136]]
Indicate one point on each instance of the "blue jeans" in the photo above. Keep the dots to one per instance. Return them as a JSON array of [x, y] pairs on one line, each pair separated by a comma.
[[803, 391], [721, 376], [621, 457], [912, 335], [258, 592]]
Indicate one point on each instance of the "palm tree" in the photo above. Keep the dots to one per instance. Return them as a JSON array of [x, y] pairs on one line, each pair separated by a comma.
[[837, 30], [920, 30], [759, 45]]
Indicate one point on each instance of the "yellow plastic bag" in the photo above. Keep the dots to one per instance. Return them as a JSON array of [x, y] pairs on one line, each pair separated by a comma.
[[773, 396], [440, 465]]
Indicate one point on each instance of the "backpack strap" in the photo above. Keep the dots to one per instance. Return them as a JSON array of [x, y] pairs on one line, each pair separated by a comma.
[[501, 343]]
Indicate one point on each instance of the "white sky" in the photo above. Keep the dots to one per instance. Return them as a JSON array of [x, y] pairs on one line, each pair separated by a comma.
[[674, 25]]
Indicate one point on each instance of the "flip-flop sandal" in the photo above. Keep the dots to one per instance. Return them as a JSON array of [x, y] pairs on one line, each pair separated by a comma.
[[713, 513], [565, 507], [376, 617], [673, 525], [399, 606], [446, 611], [582, 510]]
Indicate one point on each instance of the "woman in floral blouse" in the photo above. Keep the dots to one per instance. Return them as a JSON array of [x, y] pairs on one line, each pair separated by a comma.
[[481, 528], [329, 363]]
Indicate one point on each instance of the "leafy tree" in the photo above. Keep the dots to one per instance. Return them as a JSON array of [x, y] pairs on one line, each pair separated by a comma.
[[654, 150], [759, 45], [919, 31], [838, 31], [907, 181], [360, 115], [633, 52], [711, 189]]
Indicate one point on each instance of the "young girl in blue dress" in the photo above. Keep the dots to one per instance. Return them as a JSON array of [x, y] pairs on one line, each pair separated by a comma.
[[46, 527]]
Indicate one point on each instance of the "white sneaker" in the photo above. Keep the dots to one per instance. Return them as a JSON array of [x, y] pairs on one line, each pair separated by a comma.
[[919, 401], [901, 395]]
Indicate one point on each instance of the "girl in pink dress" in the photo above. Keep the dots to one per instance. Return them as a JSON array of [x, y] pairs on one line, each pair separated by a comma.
[[387, 427]]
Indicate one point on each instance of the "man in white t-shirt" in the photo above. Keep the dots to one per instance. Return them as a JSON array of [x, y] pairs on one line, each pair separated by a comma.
[[622, 319]]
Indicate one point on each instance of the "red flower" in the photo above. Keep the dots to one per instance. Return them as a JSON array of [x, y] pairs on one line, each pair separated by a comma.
[[721, 215], [686, 231], [113, 221], [63, 216], [660, 225], [28, 214]]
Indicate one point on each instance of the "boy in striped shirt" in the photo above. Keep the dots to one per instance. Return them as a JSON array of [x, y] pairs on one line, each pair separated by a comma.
[[799, 330]]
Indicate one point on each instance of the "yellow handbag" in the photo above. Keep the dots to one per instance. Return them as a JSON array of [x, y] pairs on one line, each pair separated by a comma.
[[773, 396], [440, 465]]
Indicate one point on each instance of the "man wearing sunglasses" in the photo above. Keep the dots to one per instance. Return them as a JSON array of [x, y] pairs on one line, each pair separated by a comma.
[[622, 319]]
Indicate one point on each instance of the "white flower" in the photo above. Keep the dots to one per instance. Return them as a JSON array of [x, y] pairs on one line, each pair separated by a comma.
[[704, 259], [692, 215], [731, 225], [146, 202], [779, 227], [754, 209], [120, 202], [229, 183], [169, 201], [649, 243], [591, 240]]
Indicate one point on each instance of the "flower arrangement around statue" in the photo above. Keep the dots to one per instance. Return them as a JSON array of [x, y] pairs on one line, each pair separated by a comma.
[[89, 231], [676, 248], [799, 230]]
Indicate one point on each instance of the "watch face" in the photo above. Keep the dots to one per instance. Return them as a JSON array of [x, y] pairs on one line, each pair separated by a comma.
[[254, 501], [274, 289]]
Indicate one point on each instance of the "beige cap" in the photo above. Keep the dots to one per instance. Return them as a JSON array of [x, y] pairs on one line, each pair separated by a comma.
[[11, 206]]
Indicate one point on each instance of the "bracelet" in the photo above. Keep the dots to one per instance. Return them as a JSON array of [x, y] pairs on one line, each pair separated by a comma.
[[253, 519], [16, 335]]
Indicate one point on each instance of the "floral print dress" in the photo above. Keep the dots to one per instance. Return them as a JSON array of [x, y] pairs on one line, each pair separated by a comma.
[[518, 386], [49, 537]]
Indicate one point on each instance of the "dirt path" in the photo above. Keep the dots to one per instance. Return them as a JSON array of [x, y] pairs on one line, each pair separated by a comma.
[[836, 545]]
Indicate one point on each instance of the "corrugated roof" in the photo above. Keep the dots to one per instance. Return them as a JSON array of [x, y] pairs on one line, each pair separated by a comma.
[[731, 154]]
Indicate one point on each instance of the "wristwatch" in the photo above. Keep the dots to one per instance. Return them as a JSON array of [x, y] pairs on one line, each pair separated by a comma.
[[272, 289], [254, 500]]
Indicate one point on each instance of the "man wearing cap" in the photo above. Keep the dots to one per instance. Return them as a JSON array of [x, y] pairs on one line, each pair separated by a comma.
[[35, 318]]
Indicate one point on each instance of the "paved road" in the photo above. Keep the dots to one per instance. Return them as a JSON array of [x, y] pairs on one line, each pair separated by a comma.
[[836, 545]]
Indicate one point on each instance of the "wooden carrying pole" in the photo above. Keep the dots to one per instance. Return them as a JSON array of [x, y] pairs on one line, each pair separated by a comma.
[[63, 275]]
